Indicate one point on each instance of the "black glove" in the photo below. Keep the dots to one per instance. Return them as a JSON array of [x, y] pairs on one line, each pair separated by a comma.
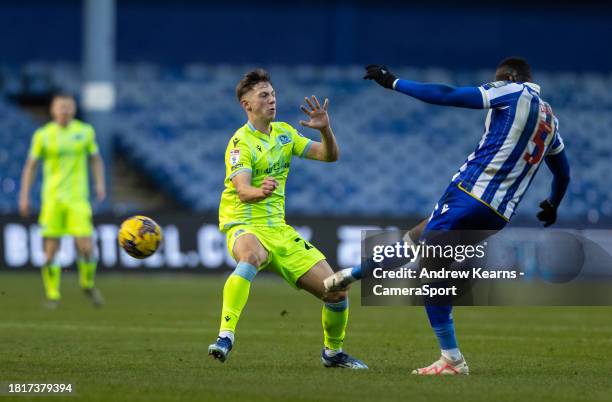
[[380, 74], [548, 214]]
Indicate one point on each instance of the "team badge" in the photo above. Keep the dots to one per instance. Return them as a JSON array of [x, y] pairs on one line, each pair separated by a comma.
[[234, 156], [284, 139]]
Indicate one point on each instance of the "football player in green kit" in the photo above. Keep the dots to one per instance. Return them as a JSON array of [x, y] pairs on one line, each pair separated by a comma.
[[66, 146], [252, 214]]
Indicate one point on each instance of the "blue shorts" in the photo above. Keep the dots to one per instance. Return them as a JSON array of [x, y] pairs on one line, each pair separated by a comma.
[[458, 219], [458, 210]]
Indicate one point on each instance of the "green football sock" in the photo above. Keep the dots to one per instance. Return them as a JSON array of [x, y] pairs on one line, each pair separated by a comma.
[[236, 294], [51, 275], [87, 272], [335, 318]]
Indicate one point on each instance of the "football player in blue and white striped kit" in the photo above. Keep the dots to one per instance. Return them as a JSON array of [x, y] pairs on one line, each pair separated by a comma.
[[521, 132]]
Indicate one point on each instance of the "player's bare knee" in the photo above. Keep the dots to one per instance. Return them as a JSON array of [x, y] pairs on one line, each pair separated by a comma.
[[49, 258], [254, 258], [51, 248], [85, 252]]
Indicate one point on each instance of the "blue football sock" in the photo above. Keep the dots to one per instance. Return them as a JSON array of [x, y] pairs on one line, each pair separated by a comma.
[[356, 272], [441, 321]]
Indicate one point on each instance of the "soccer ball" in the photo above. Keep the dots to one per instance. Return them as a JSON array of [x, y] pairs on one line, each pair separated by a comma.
[[139, 236]]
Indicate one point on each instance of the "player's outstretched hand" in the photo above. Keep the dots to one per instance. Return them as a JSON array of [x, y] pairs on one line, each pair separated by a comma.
[[380, 74], [548, 213], [268, 186], [319, 119]]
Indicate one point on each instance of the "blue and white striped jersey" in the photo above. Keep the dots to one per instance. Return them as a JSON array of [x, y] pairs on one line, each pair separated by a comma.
[[520, 129]]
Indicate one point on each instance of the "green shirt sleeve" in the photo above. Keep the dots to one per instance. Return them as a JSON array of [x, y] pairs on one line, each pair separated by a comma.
[[37, 146], [301, 144], [92, 145], [238, 157]]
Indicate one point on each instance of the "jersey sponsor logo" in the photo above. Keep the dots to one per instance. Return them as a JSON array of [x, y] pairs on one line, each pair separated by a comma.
[[234, 156], [273, 168], [284, 139], [77, 136], [237, 166]]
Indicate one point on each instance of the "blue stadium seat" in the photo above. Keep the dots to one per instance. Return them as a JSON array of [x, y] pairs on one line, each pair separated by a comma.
[[397, 154]]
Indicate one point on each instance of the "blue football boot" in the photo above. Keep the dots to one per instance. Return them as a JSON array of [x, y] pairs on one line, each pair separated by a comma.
[[220, 349], [342, 360]]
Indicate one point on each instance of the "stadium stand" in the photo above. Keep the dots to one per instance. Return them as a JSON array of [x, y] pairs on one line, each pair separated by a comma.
[[16, 128], [397, 154]]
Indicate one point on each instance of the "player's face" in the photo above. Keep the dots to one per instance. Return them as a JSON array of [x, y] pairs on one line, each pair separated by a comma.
[[261, 101], [63, 110]]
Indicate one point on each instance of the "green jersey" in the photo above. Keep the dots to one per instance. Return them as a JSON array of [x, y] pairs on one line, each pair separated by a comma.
[[262, 155], [65, 152]]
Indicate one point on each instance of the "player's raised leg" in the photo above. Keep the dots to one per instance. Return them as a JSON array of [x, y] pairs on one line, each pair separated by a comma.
[[250, 254], [342, 279], [334, 316]]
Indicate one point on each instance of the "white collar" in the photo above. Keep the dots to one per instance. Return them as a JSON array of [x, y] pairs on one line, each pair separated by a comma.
[[533, 86]]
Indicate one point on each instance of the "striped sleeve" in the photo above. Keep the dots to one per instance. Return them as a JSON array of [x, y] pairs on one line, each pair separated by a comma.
[[557, 144], [499, 94]]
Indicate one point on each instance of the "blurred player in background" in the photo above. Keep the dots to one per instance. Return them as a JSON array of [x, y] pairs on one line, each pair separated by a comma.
[[521, 131], [66, 146], [252, 214]]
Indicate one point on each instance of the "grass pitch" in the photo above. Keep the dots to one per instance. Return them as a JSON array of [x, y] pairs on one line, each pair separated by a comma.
[[149, 343]]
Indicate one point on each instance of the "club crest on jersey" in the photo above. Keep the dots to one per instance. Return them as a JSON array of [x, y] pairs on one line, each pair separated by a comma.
[[234, 156], [284, 139]]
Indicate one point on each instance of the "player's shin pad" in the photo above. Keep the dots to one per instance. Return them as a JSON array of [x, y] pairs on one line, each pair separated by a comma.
[[335, 318], [442, 323], [87, 272], [235, 295], [51, 275]]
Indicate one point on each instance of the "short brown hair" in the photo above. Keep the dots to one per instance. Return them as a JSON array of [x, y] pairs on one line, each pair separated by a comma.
[[251, 79]]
